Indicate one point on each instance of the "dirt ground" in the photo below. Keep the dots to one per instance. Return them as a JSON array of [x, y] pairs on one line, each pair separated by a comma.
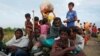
[[92, 48]]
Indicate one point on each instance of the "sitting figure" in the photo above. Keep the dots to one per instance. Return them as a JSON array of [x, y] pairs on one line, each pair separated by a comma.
[[60, 48], [17, 46]]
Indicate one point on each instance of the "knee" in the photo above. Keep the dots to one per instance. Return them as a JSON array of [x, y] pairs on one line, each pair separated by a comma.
[[20, 52]]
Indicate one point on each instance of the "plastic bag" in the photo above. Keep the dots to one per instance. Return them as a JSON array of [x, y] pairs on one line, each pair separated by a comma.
[[48, 42]]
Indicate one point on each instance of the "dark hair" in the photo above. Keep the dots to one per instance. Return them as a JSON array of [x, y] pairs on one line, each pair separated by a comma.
[[73, 29], [98, 29], [56, 19], [27, 15], [1, 31], [40, 21], [71, 3], [36, 18], [63, 29], [84, 22], [44, 21], [78, 20], [18, 29]]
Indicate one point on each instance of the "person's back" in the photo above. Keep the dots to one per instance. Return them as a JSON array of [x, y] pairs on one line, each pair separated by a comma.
[[44, 29]]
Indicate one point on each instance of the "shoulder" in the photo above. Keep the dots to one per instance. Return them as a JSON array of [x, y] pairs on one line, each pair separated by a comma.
[[25, 37], [73, 11], [79, 37], [62, 25]]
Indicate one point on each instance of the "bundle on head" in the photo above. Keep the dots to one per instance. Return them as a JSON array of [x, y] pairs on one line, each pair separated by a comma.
[[46, 7]]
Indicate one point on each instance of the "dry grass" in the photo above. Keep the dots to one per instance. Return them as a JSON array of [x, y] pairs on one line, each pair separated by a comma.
[[8, 35]]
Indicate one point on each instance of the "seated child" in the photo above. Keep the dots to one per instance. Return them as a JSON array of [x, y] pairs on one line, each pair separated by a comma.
[[60, 47], [77, 41]]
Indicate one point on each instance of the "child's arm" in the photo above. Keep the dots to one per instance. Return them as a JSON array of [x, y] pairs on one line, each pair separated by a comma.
[[57, 51], [80, 44]]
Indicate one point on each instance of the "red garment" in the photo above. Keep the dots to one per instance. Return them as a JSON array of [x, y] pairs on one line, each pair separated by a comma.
[[94, 29], [28, 24], [86, 38], [36, 25], [37, 28]]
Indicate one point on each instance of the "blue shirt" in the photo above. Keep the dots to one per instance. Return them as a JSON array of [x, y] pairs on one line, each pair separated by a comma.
[[70, 17]]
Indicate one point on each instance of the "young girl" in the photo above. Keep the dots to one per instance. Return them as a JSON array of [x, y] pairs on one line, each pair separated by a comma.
[[44, 29]]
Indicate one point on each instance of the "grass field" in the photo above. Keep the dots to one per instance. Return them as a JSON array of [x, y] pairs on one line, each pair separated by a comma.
[[8, 35]]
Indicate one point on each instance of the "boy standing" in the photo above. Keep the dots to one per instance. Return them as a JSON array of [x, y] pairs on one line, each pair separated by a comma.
[[71, 15], [28, 23]]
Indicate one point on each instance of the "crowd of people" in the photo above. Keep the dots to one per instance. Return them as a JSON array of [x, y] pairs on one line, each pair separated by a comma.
[[52, 34]]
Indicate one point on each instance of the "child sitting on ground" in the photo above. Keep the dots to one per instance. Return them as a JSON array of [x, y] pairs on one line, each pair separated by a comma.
[[60, 46], [77, 41]]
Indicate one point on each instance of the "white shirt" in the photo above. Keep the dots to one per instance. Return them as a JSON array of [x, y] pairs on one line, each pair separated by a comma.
[[79, 42], [22, 42]]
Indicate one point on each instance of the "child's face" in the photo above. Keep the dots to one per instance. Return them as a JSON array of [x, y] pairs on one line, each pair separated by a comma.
[[28, 18], [70, 7], [57, 23], [64, 35], [72, 35], [80, 31], [18, 34]]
